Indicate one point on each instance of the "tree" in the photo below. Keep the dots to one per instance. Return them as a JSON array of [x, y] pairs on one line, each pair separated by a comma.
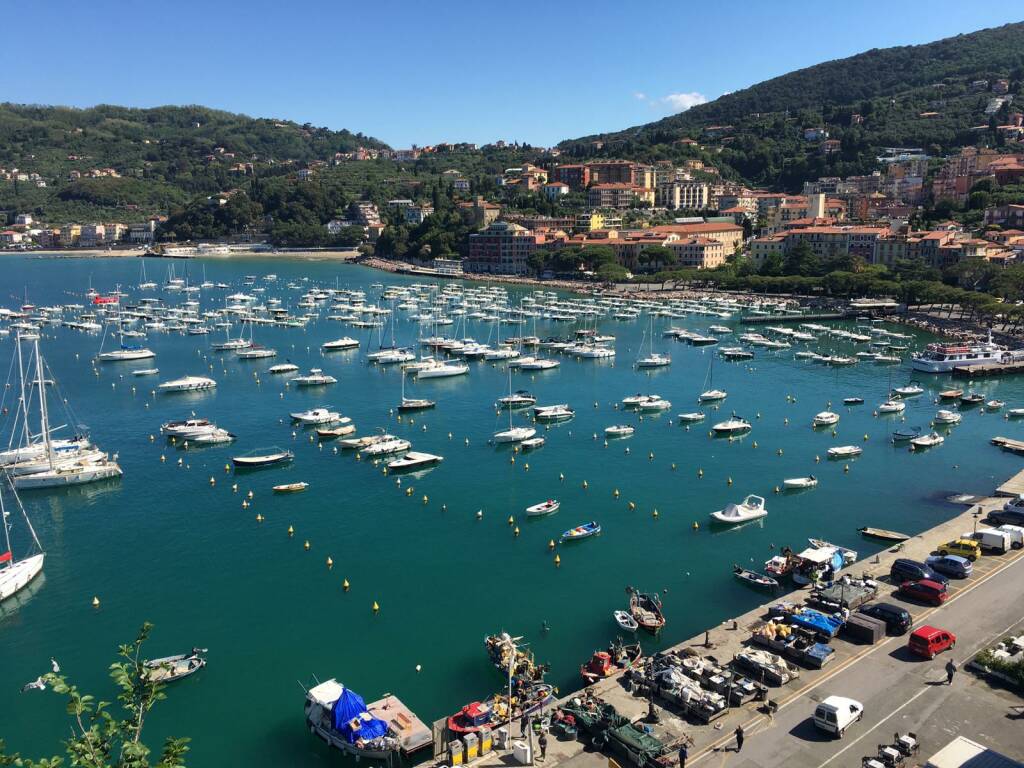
[[802, 260], [98, 738]]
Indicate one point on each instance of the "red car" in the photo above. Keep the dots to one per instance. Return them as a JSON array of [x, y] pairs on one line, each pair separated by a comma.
[[929, 641], [925, 591]]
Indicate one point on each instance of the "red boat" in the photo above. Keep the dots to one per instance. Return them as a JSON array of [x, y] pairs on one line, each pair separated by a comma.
[[529, 697], [471, 717], [606, 663]]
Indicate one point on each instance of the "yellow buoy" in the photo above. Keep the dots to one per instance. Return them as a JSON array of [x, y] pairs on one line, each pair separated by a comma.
[[516, 530], [650, 456], [846, 468], [755, 443], [817, 459], [245, 504], [426, 498], [558, 560], [585, 485], [345, 585], [512, 460], [632, 505], [696, 525], [376, 607], [561, 476], [673, 466], [250, 494], [291, 531], [511, 520], [779, 452], [655, 513], [615, 493], [551, 543], [227, 467], [728, 481], [234, 487], [330, 562], [95, 602], [408, 491], [479, 514], [700, 473], [776, 489], [213, 481], [306, 545], [162, 458], [259, 518]]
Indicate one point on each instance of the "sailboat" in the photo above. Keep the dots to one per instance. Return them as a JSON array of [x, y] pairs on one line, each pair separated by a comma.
[[414, 403], [144, 284], [513, 434], [711, 394], [125, 352], [655, 359], [16, 574], [229, 343]]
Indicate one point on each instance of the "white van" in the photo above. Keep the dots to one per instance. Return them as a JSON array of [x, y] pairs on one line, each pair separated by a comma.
[[991, 540], [837, 713], [1016, 534]]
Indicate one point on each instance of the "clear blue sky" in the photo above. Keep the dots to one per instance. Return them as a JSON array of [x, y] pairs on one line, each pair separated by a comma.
[[415, 72]]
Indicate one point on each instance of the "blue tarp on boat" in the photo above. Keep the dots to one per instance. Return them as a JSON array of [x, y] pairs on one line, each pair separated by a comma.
[[353, 721]]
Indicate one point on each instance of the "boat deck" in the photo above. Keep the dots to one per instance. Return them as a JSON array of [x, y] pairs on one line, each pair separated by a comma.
[[413, 733]]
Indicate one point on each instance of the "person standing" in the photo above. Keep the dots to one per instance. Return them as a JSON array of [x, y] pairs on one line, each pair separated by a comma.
[[683, 754], [739, 737], [950, 671], [542, 742], [524, 723]]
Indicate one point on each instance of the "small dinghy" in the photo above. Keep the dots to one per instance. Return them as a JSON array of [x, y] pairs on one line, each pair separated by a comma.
[[544, 508], [909, 390], [751, 508], [619, 430], [882, 533], [262, 458], [171, 668], [624, 620], [754, 578], [825, 419], [845, 451], [927, 441], [794, 483], [853, 401], [291, 487], [584, 531], [1016, 413]]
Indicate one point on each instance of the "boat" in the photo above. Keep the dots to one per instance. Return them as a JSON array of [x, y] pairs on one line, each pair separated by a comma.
[[315, 378], [646, 609], [548, 507], [125, 353], [853, 401], [414, 460], [904, 434], [187, 428], [944, 416], [655, 405], [531, 442], [529, 697], [553, 413], [584, 531], [171, 668], [187, 384], [844, 451], [654, 359], [386, 447], [283, 368], [76, 472], [825, 419], [17, 573], [317, 416], [213, 437], [892, 406], [290, 487], [624, 620], [513, 434], [518, 399], [793, 483], [710, 394], [994, 405], [909, 390], [255, 352], [751, 508], [146, 372], [634, 401], [943, 358], [617, 658], [343, 343], [329, 433], [848, 555], [691, 418], [442, 370], [732, 426], [927, 441], [950, 394], [754, 578], [882, 533], [379, 731], [619, 430], [972, 398], [262, 457], [1015, 413]]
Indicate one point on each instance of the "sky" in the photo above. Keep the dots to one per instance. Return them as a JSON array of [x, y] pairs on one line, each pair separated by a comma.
[[421, 73]]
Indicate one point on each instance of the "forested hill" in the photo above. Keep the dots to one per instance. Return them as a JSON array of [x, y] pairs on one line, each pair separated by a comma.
[[910, 95]]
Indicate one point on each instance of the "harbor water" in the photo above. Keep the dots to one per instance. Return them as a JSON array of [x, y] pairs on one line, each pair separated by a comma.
[[436, 552]]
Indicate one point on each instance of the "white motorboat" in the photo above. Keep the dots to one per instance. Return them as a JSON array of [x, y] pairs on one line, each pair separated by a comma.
[[825, 419], [187, 384], [994, 405], [414, 460], [634, 401], [315, 378], [538, 364], [619, 430], [844, 451], [146, 372], [318, 416], [283, 368], [441, 370], [892, 406], [1015, 413], [214, 437], [343, 343], [732, 426], [654, 360], [520, 399], [553, 413], [948, 417], [76, 473], [255, 352], [751, 508], [386, 447], [187, 428], [800, 482], [909, 390], [653, 405], [928, 441], [531, 442], [544, 508], [712, 395], [691, 418]]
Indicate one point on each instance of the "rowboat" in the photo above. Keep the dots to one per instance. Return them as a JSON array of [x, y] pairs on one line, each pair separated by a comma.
[[544, 508], [882, 533], [624, 620], [754, 578], [584, 531], [262, 458], [950, 394], [171, 668], [291, 487]]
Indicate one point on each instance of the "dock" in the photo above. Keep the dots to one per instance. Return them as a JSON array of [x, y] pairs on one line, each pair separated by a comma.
[[805, 318], [1015, 485], [988, 370]]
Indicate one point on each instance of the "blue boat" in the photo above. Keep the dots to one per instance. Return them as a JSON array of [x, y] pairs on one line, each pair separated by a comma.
[[584, 531]]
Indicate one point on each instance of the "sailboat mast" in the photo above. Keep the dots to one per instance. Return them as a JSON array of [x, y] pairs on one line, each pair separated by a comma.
[[7, 531], [43, 416], [24, 401]]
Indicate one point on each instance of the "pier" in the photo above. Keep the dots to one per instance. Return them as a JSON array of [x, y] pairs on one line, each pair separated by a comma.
[[988, 370], [806, 318], [854, 666]]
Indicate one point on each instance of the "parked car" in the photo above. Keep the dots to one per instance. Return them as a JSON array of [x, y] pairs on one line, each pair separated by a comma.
[[950, 565], [930, 641], [1016, 534], [897, 620], [837, 713], [990, 540], [925, 591], [968, 548], [1009, 514], [905, 569], [1015, 505]]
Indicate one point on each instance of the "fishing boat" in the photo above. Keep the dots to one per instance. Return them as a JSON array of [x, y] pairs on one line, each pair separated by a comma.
[[262, 457], [17, 573], [527, 698], [691, 418], [321, 415], [290, 487], [315, 378], [414, 460], [171, 668], [283, 368], [794, 483], [343, 343], [882, 533], [927, 441], [531, 442], [617, 658], [380, 731], [646, 609], [553, 413], [904, 434], [584, 531], [751, 508], [825, 419], [146, 372], [754, 578], [844, 451], [944, 416], [548, 507], [619, 430], [624, 620], [853, 401], [732, 426], [187, 384]]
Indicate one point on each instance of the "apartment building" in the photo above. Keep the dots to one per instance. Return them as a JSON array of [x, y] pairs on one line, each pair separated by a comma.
[[503, 248]]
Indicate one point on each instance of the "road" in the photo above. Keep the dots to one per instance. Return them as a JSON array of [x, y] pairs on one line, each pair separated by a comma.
[[901, 692]]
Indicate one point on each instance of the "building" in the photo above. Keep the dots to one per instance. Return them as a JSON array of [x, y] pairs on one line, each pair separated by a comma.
[[24, 219], [415, 214], [825, 241], [10, 237], [448, 267], [69, 235], [618, 195], [91, 235], [503, 248], [728, 234], [365, 214], [699, 252], [461, 185], [480, 213], [1006, 216], [399, 204], [687, 195], [555, 189], [613, 172], [142, 232], [576, 176]]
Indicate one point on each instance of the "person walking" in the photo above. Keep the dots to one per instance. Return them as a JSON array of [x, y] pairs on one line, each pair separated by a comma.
[[542, 742], [739, 737], [683, 754], [950, 671]]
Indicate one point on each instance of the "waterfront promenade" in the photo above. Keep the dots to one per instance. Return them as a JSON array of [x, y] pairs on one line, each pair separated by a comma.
[[900, 692]]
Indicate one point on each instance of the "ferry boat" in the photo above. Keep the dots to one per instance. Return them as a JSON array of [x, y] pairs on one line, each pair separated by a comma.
[[942, 358]]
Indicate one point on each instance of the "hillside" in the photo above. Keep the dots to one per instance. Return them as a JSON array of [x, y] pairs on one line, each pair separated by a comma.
[[162, 156], [905, 96]]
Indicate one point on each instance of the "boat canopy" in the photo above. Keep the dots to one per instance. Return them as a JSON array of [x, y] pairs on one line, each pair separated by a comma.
[[823, 555], [353, 721]]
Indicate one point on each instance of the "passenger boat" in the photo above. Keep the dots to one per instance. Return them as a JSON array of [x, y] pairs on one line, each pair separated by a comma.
[[171, 668], [619, 430], [927, 441], [732, 426], [544, 508], [414, 460], [617, 658], [844, 451], [793, 483], [825, 419], [646, 609], [754, 578], [751, 508], [379, 731], [882, 533], [944, 416], [315, 378], [187, 384], [624, 620], [943, 358], [290, 487], [584, 531], [343, 343], [262, 457], [283, 368]]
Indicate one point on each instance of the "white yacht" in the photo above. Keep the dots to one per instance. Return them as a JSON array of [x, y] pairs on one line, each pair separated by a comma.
[[892, 406], [654, 360], [187, 384], [751, 508], [619, 430], [187, 428], [712, 395], [942, 358], [16, 574], [315, 378], [691, 418], [255, 352], [553, 413], [76, 473], [318, 416], [125, 353], [928, 441], [734, 425], [441, 370], [386, 447], [283, 368], [343, 343], [825, 419]]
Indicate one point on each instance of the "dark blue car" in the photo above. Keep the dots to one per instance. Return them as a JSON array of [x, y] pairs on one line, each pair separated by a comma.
[[950, 565], [905, 569]]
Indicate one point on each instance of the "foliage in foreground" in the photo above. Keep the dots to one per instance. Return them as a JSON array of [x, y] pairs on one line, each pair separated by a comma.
[[101, 739]]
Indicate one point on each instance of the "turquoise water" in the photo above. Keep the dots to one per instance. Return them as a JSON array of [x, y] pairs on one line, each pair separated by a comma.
[[164, 545]]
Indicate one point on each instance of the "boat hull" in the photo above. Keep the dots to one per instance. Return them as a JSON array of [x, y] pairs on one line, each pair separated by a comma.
[[19, 575]]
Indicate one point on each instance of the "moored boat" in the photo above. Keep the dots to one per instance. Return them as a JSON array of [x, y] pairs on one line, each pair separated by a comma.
[[882, 533], [543, 508], [262, 457], [793, 483], [617, 658], [584, 531], [291, 487], [646, 609], [754, 578], [171, 668]]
